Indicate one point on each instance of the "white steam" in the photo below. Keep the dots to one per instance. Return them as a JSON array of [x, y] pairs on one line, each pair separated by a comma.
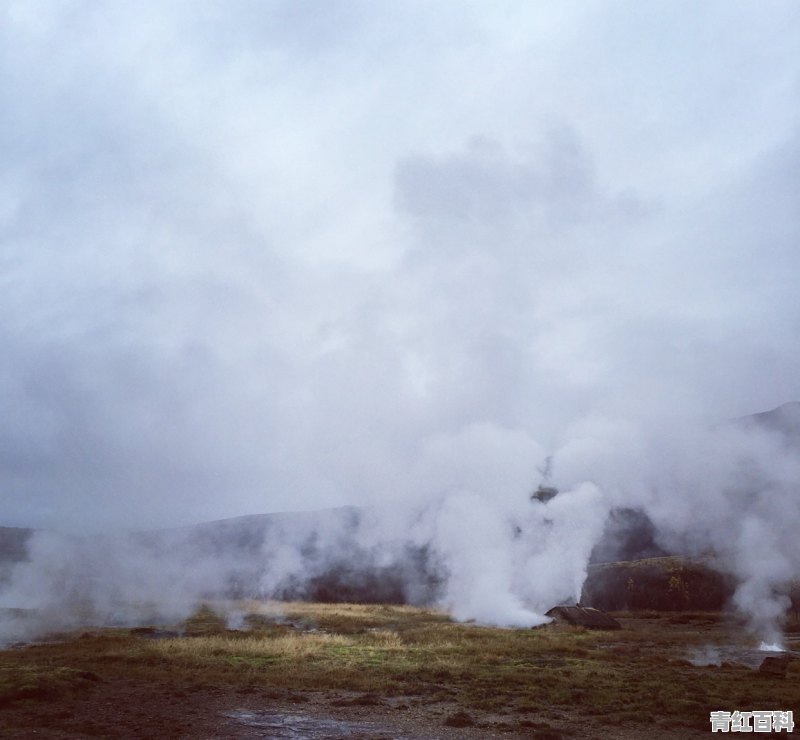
[[494, 557]]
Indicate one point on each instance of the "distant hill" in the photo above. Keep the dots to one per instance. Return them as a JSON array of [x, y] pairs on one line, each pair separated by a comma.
[[784, 419], [661, 584], [629, 568], [13, 543], [13, 549], [629, 534]]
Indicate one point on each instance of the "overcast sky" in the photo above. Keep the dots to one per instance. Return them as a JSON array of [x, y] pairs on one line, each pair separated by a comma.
[[260, 256]]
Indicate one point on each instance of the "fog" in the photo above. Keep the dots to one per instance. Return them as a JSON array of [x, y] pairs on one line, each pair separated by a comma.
[[291, 256]]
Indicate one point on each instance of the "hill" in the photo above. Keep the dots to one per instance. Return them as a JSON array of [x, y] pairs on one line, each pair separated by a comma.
[[784, 419], [323, 555], [13, 543]]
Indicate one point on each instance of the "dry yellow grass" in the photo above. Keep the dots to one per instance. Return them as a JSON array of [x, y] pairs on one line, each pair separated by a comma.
[[294, 646], [637, 673]]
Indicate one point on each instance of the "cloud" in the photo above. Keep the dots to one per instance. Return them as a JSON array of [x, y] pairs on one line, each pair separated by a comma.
[[276, 256]]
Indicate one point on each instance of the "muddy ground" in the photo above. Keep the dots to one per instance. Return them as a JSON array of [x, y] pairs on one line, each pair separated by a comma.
[[128, 709], [105, 703]]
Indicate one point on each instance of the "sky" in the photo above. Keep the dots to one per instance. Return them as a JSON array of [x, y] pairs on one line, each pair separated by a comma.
[[271, 256]]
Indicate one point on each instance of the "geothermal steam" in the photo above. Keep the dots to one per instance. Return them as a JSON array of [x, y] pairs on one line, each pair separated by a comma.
[[729, 494]]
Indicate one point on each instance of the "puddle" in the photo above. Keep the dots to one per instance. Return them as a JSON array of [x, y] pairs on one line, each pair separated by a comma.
[[281, 725]]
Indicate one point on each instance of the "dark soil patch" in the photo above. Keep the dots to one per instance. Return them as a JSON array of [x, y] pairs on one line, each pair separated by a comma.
[[459, 719]]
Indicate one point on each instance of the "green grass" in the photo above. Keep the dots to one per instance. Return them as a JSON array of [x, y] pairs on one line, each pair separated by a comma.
[[622, 677], [19, 682]]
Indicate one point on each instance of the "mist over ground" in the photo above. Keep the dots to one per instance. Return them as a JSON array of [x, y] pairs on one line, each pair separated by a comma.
[[292, 256]]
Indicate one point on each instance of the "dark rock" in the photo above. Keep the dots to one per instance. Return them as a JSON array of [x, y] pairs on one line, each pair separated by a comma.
[[775, 665], [584, 616]]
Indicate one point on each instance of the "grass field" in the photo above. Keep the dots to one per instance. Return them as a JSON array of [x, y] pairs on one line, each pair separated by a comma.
[[552, 679]]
